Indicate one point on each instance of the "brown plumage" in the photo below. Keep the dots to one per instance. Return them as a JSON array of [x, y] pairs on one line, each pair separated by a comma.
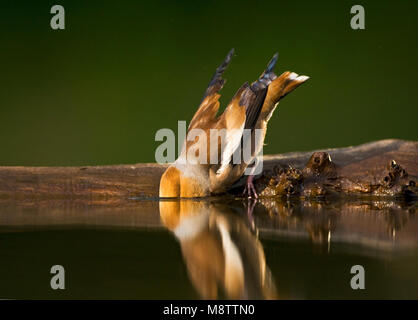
[[220, 252], [203, 169]]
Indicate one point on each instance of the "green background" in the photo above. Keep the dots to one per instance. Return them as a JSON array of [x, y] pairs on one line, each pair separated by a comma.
[[97, 92]]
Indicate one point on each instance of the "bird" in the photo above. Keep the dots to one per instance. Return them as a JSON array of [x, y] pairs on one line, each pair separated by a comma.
[[220, 252], [207, 166]]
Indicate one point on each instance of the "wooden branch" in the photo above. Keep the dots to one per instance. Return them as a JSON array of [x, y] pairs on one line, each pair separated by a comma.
[[142, 180], [139, 180]]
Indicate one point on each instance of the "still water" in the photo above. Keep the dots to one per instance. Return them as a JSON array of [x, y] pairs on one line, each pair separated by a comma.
[[217, 249]]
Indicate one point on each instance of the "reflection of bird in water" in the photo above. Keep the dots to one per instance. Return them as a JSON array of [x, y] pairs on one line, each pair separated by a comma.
[[222, 256], [203, 169]]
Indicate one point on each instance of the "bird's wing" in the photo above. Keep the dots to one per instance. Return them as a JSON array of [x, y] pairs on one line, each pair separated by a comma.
[[248, 100], [200, 127], [254, 98], [210, 102], [230, 127]]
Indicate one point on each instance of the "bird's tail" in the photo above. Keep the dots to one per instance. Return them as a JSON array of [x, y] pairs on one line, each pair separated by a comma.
[[280, 87], [287, 82]]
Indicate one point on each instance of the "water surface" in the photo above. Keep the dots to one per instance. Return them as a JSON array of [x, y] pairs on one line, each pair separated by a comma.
[[223, 248]]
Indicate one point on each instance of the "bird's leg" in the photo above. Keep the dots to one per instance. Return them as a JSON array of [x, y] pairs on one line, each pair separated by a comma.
[[250, 209], [249, 188]]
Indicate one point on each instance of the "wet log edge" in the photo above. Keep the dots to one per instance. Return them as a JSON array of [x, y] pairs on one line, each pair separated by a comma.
[[368, 160]]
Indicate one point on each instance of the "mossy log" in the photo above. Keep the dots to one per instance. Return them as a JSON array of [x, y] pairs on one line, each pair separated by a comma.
[[361, 169]]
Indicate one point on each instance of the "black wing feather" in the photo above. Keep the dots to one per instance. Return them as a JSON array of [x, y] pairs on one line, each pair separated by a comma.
[[253, 98], [216, 83]]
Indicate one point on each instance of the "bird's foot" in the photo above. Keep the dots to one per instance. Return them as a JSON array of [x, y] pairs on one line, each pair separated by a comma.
[[251, 203], [250, 189]]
